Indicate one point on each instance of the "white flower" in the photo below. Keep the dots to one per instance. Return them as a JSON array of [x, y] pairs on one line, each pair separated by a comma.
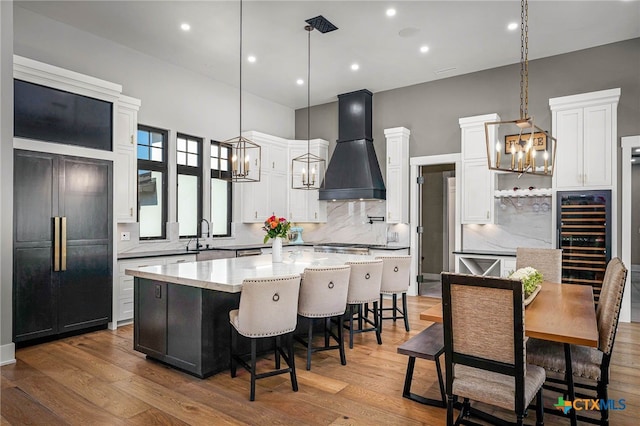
[[523, 273]]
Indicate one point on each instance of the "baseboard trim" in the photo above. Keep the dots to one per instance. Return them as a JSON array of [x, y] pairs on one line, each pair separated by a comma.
[[8, 354]]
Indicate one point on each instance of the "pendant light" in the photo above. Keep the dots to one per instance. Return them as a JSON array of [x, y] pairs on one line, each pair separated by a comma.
[[245, 154], [520, 146], [307, 170]]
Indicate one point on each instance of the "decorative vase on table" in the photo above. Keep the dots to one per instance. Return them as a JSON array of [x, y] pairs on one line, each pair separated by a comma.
[[276, 228], [276, 250]]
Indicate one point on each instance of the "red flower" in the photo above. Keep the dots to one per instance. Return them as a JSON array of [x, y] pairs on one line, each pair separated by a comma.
[[271, 219], [282, 219]]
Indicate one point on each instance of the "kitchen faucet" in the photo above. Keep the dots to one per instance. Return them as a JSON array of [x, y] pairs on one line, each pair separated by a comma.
[[198, 245]]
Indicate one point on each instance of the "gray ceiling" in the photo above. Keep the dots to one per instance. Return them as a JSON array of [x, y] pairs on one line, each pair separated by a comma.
[[463, 37]]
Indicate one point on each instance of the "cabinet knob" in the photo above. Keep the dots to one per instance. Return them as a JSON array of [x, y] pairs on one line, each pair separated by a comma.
[[131, 139], [273, 164], [389, 160], [131, 211]]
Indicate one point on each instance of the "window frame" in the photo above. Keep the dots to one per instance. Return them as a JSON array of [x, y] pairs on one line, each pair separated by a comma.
[[196, 171], [155, 166], [225, 176]]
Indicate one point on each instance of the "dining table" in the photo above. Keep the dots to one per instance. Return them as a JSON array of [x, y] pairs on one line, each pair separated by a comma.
[[563, 313]]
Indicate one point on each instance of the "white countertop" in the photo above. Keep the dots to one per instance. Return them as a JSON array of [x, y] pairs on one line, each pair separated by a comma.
[[227, 274]]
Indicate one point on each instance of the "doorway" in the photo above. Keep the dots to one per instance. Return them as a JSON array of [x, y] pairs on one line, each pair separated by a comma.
[[630, 310], [438, 222], [434, 219]]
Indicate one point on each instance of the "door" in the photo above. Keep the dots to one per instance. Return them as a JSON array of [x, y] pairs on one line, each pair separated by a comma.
[[85, 201], [62, 244], [35, 204]]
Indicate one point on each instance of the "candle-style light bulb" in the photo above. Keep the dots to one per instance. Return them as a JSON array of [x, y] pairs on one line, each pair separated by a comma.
[[513, 157], [247, 162], [304, 182], [533, 160], [234, 163], [313, 176], [498, 148], [546, 162], [519, 161]]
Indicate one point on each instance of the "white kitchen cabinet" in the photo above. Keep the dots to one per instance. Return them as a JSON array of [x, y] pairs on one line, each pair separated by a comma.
[[269, 196], [124, 292], [304, 205], [125, 186], [478, 182], [397, 184], [585, 126]]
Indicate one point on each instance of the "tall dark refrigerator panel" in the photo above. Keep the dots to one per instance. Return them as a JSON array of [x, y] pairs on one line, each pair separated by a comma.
[[62, 244], [584, 235]]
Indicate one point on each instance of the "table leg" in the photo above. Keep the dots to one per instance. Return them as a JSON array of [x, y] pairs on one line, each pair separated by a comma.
[[569, 380]]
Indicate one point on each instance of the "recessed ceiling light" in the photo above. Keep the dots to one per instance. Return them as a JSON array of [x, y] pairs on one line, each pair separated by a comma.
[[299, 82], [512, 26], [251, 58], [355, 67], [424, 49], [391, 12], [185, 27]]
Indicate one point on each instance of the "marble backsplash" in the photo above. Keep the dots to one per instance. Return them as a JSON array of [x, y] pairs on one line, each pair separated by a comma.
[[347, 222], [518, 222]]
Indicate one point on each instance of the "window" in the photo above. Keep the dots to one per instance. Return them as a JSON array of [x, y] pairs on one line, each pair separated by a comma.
[[189, 166], [220, 190], [152, 182]]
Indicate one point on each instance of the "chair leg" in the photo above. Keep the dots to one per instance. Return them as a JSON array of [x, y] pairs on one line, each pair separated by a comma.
[[377, 324], [539, 409], [569, 380], [603, 395], [343, 358], [351, 307], [292, 364], [277, 353], [395, 307], [449, 410], [232, 349], [380, 311], [252, 395], [309, 341], [404, 311]]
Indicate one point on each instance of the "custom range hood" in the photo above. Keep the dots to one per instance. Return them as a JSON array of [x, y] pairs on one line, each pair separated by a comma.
[[353, 172]]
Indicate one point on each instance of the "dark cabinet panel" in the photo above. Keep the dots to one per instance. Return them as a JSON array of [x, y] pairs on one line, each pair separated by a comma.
[[150, 317], [62, 279]]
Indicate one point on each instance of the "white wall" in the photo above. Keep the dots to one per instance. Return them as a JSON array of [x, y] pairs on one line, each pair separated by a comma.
[[7, 351]]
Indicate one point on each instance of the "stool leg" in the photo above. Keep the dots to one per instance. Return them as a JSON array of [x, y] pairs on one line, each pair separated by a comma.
[[404, 311], [360, 307], [380, 312], [343, 358], [377, 324], [327, 329], [351, 307], [292, 364], [395, 306], [232, 349], [309, 339], [252, 395]]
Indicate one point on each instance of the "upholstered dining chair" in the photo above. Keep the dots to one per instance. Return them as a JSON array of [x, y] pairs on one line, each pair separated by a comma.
[[589, 365], [396, 276], [323, 296], [483, 319], [546, 261], [364, 288], [268, 308]]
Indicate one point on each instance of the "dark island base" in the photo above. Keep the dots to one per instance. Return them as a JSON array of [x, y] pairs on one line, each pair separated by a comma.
[[187, 327]]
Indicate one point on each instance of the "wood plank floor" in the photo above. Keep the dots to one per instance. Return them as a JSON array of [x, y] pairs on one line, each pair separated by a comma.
[[98, 379]]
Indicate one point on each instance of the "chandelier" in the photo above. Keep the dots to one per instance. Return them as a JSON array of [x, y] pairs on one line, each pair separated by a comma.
[[245, 154], [520, 146], [307, 170]]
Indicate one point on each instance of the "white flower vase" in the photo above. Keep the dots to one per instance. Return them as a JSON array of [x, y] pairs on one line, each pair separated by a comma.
[[276, 250]]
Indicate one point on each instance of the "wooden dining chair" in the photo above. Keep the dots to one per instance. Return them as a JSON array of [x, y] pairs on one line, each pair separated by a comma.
[[588, 365], [546, 261], [484, 349], [268, 309]]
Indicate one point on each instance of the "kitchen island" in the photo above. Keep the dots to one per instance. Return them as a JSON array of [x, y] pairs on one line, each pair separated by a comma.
[[181, 311]]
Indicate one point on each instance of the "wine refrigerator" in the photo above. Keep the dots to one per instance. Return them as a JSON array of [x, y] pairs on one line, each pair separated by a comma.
[[584, 235]]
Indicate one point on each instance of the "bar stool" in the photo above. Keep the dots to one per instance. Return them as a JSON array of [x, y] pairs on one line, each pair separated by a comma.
[[268, 308], [323, 295], [396, 276], [364, 288]]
